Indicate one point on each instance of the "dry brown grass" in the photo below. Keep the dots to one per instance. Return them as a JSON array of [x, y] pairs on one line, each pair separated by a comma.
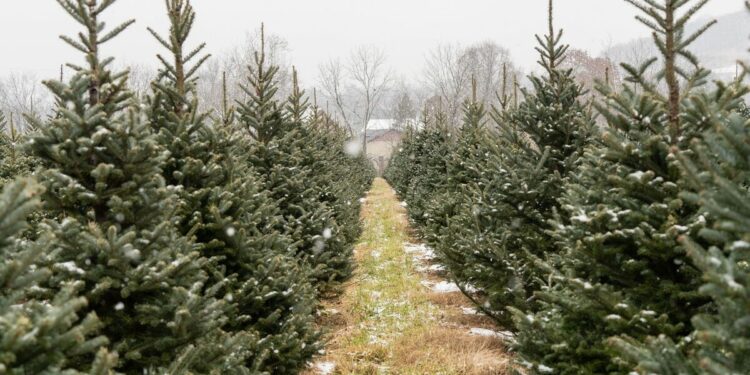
[[449, 351], [454, 299], [453, 304]]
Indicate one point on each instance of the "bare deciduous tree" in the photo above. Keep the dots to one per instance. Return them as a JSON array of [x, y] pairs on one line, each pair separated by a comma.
[[486, 62], [371, 78], [332, 83], [447, 77], [633, 53], [588, 69], [449, 70], [357, 88], [140, 78], [23, 94]]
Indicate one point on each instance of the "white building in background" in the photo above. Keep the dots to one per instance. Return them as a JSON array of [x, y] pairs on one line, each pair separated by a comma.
[[382, 139], [381, 124]]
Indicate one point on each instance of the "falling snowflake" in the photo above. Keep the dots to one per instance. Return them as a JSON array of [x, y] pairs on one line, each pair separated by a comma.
[[353, 148]]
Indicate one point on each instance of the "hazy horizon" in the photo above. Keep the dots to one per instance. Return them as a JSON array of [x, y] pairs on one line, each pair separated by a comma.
[[320, 30]]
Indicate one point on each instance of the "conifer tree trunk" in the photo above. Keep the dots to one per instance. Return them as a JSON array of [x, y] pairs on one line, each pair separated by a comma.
[[673, 83]]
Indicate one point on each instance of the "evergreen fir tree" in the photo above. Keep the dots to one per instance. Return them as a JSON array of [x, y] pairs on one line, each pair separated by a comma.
[[397, 171], [140, 276], [353, 173], [418, 169], [622, 271], [451, 224], [14, 161], [36, 335], [717, 166], [425, 176], [280, 151], [538, 146], [403, 161], [340, 179], [231, 219]]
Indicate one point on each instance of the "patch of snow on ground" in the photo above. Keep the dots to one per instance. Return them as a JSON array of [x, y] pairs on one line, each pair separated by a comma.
[[436, 268], [469, 311], [505, 335], [482, 332], [325, 368], [403, 204], [446, 287], [420, 252]]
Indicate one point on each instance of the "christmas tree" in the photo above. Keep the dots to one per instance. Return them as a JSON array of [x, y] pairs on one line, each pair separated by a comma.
[[623, 272], [419, 172], [340, 178], [15, 162], [39, 335], [516, 192], [280, 150], [398, 168], [404, 161], [426, 152], [230, 217], [716, 167], [142, 278], [450, 226]]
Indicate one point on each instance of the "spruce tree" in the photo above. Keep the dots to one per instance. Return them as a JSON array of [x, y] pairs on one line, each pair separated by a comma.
[[340, 179], [231, 218], [279, 149], [717, 167], [418, 169], [538, 146], [353, 168], [404, 113], [427, 154], [39, 335], [14, 161], [404, 161], [450, 226], [116, 235], [623, 272], [397, 171]]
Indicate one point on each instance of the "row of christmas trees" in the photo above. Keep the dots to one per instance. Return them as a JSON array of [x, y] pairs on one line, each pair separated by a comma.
[[608, 247], [163, 239]]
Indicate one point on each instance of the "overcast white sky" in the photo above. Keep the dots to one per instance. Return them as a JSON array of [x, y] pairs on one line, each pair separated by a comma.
[[320, 29]]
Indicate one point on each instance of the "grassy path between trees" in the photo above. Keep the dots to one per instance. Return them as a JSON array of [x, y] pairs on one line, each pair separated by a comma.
[[398, 315]]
